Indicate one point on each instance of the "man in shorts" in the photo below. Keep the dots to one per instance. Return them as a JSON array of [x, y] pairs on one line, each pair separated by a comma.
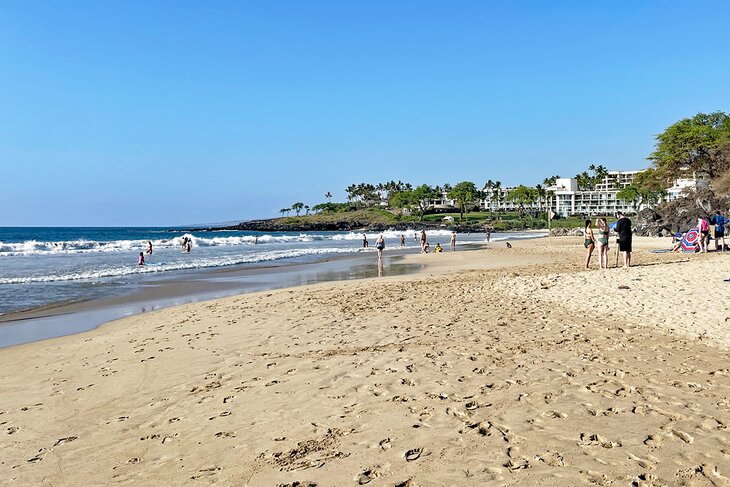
[[623, 230], [719, 221]]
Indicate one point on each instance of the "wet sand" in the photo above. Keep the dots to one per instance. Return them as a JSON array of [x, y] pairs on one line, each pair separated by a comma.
[[185, 287], [492, 367]]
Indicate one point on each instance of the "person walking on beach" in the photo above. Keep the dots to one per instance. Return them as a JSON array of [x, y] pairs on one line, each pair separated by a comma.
[[704, 227], [602, 239], [149, 247], [589, 241], [423, 241], [402, 240], [364, 241], [141, 259], [623, 230], [453, 241], [720, 222], [380, 246], [489, 235]]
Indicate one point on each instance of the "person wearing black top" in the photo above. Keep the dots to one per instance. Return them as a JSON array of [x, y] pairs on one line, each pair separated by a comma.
[[623, 229]]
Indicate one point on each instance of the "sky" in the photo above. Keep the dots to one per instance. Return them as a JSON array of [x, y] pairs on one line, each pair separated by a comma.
[[153, 113]]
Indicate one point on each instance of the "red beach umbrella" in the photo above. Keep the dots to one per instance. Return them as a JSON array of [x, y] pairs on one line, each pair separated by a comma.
[[690, 242]]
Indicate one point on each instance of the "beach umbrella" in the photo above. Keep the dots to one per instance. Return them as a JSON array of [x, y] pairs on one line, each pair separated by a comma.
[[691, 240]]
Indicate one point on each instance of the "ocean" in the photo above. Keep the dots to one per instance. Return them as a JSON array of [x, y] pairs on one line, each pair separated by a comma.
[[45, 266]]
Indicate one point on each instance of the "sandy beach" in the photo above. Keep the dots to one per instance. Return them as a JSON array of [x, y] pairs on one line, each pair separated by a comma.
[[490, 367]]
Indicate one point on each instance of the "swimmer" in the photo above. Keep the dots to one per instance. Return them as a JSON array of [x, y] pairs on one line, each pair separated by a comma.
[[141, 259], [149, 247]]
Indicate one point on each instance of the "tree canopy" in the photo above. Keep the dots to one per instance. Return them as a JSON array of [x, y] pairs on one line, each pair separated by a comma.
[[700, 144], [522, 195], [463, 193]]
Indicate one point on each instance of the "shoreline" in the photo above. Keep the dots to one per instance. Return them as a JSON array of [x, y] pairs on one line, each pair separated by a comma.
[[74, 317], [492, 366]]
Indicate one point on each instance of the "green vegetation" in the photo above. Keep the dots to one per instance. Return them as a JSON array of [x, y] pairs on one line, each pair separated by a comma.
[[372, 216], [463, 193], [700, 144], [697, 145]]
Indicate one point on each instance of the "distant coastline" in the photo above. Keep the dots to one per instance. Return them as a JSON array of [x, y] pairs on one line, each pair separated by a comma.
[[364, 220]]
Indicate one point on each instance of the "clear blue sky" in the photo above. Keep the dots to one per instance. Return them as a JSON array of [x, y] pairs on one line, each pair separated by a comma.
[[165, 113]]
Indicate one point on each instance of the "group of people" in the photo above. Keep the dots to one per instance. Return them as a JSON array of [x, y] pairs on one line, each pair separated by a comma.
[[622, 229], [712, 228], [187, 246], [148, 251]]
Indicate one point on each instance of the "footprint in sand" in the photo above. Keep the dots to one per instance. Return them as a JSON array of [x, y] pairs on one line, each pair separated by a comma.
[[385, 444], [297, 483], [413, 454], [368, 475]]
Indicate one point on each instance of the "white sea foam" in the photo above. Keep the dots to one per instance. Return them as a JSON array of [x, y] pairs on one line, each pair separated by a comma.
[[35, 247], [200, 263]]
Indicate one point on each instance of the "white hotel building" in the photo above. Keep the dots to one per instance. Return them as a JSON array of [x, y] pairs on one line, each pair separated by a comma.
[[565, 198]]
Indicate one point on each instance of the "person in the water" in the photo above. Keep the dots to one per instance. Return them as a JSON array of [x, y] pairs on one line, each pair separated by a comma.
[[141, 259]]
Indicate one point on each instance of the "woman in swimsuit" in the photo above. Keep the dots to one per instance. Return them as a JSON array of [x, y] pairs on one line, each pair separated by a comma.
[[380, 246], [603, 232], [589, 241]]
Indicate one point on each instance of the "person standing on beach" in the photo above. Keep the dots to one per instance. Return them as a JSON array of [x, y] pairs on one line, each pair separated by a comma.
[[364, 241], [704, 227], [402, 240], [149, 247], [489, 235], [602, 239], [423, 241], [453, 241], [719, 222], [623, 230], [589, 241], [380, 246]]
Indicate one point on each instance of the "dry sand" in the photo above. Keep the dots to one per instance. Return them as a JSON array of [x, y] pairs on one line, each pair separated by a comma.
[[491, 367]]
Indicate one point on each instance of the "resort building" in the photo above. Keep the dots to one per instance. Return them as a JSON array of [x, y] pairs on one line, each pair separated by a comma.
[[565, 197]]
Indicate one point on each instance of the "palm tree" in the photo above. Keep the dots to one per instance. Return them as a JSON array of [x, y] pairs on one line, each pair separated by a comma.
[[488, 187], [540, 194], [297, 207], [328, 197], [497, 193], [282, 211]]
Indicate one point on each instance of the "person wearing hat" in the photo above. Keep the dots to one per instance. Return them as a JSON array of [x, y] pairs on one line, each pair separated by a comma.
[[623, 230]]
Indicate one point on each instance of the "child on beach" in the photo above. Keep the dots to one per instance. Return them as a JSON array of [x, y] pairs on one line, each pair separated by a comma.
[[438, 247], [141, 259]]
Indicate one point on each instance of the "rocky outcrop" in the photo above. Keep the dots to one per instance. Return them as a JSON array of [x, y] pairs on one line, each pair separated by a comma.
[[279, 225], [566, 232], [681, 214]]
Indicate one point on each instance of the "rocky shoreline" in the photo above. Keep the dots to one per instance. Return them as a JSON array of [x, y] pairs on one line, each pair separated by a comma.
[[276, 225]]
